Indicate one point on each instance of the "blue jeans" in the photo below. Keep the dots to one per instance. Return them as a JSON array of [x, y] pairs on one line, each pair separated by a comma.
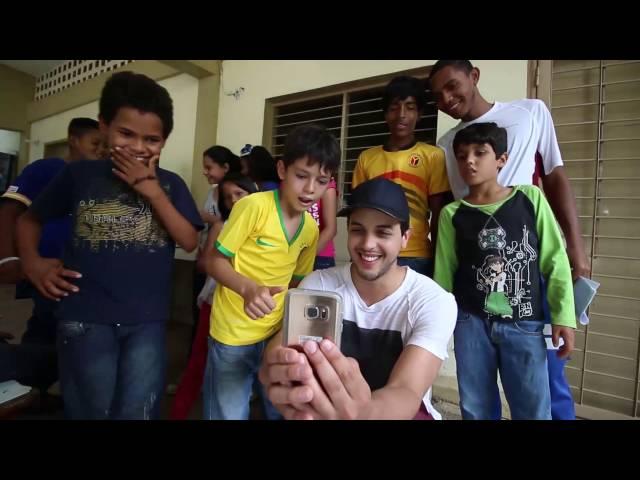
[[228, 379], [324, 262], [419, 264], [112, 371], [518, 351], [562, 404]]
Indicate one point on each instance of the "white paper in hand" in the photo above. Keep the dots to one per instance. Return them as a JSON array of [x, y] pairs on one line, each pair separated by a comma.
[[12, 389], [584, 290]]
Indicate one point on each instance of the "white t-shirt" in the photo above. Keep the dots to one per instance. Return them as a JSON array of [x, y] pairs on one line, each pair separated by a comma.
[[530, 130], [210, 206], [418, 313], [206, 294]]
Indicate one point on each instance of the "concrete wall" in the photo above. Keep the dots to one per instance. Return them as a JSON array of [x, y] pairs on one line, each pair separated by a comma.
[[241, 120], [177, 154], [16, 92]]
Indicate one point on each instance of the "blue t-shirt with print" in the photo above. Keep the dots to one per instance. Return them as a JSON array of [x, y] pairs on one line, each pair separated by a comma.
[[26, 187], [124, 254]]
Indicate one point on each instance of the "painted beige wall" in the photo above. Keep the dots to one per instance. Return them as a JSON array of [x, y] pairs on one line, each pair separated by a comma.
[[54, 128], [205, 134], [16, 92], [176, 155], [241, 121]]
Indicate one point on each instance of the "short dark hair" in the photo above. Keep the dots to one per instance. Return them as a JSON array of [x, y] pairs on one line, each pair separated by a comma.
[[262, 166], [128, 89], [482, 133], [241, 181], [81, 125], [402, 87], [464, 65], [223, 156], [315, 143]]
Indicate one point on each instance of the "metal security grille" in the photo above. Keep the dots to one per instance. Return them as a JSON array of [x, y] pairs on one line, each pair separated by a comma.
[[354, 115], [596, 109], [72, 73]]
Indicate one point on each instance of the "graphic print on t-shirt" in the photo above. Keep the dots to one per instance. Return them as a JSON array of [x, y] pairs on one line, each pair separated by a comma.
[[120, 222], [505, 274]]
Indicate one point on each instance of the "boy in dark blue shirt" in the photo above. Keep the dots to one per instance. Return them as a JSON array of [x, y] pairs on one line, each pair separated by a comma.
[[83, 140], [114, 280], [33, 362]]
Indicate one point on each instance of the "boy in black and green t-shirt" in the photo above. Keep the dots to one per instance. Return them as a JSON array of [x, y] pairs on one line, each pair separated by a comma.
[[495, 247]]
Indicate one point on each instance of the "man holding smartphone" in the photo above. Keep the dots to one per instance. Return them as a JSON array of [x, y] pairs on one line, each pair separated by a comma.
[[396, 326]]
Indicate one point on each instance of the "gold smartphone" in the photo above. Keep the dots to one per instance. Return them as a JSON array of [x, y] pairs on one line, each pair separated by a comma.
[[311, 315]]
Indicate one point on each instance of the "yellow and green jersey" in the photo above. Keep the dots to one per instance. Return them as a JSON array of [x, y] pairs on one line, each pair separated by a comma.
[[257, 243]]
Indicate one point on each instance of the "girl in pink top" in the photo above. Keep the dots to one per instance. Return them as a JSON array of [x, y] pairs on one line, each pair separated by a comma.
[[324, 213]]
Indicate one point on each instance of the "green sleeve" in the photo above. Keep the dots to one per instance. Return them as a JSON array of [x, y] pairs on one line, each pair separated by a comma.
[[553, 261], [446, 259]]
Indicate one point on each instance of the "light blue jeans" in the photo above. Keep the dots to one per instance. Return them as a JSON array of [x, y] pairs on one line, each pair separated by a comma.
[[518, 351], [562, 406], [228, 380]]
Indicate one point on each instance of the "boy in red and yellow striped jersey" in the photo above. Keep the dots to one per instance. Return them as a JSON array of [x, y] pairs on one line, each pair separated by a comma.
[[417, 167]]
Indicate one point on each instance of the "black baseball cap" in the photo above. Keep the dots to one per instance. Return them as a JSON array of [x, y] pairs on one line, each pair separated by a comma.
[[382, 195]]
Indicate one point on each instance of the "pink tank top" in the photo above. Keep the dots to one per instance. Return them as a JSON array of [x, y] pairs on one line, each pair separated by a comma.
[[316, 212]]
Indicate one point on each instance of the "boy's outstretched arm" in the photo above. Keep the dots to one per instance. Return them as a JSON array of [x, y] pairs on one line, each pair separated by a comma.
[[258, 299], [143, 179]]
